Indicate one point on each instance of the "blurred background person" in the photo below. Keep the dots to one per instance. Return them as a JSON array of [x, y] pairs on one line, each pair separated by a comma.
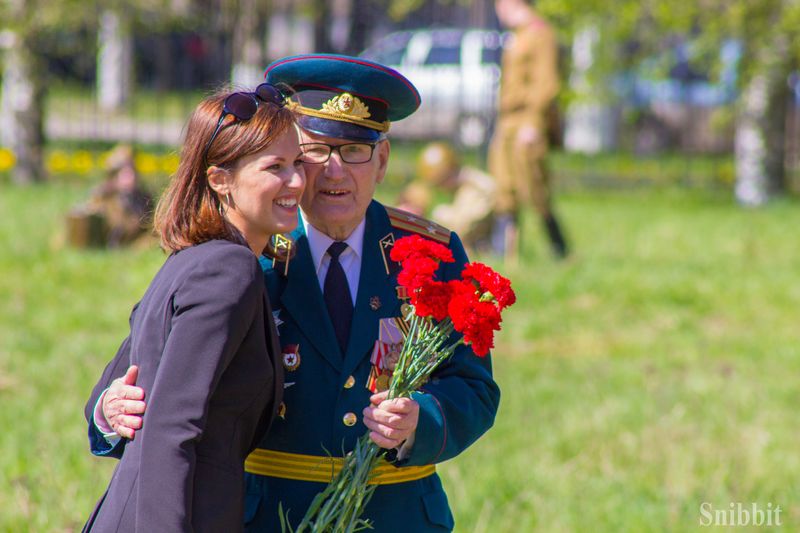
[[118, 211], [474, 195], [528, 88], [121, 200]]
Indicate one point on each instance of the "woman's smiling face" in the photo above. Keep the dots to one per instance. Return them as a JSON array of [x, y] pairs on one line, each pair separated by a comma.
[[266, 187]]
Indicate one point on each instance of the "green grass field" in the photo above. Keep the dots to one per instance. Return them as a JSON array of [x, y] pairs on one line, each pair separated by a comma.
[[654, 371]]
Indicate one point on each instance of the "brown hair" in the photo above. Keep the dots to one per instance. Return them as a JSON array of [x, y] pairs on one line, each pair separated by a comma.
[[188, 212]]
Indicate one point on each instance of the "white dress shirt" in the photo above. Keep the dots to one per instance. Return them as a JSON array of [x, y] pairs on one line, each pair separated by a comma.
[[350, 259]]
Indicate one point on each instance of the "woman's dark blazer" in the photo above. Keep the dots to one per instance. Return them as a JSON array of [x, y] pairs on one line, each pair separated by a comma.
[[207, 350]]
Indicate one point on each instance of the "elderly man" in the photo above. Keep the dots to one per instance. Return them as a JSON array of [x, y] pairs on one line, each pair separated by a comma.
[[337, 305]]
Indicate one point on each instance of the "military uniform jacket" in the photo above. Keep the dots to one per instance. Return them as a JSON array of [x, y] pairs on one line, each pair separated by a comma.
[[207, 354], [529, 81], [456, 407]]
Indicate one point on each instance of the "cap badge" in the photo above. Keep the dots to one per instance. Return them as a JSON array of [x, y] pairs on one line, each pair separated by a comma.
[[346, 104]]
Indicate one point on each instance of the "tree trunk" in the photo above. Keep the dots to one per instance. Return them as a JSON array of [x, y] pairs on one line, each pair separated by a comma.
[[322, 26], [23, 94], [342, 32], [248, 46], [761, 130], [114, 60], [279, 30], [589, 124]]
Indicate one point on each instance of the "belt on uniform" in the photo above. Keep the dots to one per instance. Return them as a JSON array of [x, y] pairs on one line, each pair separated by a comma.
[[322, 468]]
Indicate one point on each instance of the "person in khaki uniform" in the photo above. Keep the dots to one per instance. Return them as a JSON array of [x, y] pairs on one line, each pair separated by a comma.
[[121, 198], [474, 192], [118, 210], [517, 154]]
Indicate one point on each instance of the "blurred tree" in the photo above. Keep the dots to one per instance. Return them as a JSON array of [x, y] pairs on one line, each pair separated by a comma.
[[24, 75], [114, 57], [28, 26], [768, 31], [249, 41]]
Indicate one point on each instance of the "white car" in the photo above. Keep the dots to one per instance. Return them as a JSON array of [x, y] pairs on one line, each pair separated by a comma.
[[457, 73]]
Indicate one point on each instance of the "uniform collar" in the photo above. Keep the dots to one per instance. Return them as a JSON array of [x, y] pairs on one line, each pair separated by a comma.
[[319, 242]]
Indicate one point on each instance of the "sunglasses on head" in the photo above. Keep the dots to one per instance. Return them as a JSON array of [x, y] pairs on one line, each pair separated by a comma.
[[243, 106]]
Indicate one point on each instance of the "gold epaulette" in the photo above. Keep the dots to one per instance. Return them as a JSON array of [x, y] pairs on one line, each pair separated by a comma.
[[409, 222]]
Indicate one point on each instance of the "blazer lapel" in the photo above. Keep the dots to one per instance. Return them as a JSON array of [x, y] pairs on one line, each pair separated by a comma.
[[374, 287], [302, 299]]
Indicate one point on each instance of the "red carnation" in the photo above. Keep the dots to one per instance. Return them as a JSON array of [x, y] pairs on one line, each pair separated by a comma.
[[490, 281], [432, 299], [416, 246], [416, 272], [475, 319]]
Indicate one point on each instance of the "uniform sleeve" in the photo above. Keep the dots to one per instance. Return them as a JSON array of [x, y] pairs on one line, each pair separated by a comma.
[[460, 402], [212, 312], [116, 368]]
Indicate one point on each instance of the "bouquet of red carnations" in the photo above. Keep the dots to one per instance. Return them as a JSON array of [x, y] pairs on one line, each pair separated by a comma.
[[470, 306]]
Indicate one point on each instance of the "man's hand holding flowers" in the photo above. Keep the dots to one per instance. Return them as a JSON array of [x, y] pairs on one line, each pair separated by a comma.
[[391, 422]]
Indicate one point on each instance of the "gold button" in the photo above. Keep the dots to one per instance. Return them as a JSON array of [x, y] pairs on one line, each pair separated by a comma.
[[349, 419], [350, 382]]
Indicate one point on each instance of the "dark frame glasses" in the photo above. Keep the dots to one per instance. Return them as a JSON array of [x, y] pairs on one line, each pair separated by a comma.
[[243, 106], [351, 154]]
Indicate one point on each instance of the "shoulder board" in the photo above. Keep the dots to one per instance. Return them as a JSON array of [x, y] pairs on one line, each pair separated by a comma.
[[421, 226]]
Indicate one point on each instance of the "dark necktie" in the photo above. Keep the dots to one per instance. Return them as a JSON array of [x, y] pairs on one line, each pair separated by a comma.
[[337, 295]]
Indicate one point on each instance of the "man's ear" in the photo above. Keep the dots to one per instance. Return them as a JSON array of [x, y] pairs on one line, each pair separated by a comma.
[[219, 180], [382, 152]]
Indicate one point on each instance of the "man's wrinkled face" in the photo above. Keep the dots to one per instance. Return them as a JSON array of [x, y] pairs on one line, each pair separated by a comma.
[[338, 194]]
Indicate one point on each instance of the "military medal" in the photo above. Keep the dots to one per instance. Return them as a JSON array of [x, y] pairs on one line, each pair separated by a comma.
[[386, 352], [374, 303], [382, 383], [402, 294], [291, 357]]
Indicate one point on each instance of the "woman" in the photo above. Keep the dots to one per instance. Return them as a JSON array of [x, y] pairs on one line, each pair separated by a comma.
[[203, 335]]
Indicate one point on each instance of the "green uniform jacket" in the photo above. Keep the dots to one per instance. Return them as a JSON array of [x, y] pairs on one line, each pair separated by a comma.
[[457, 406]]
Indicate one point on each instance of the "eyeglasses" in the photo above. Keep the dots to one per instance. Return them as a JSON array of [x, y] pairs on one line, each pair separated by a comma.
[[348, 152], [243, 106]]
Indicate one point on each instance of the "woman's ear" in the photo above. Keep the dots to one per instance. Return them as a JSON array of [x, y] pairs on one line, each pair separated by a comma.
[[219, 180]]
